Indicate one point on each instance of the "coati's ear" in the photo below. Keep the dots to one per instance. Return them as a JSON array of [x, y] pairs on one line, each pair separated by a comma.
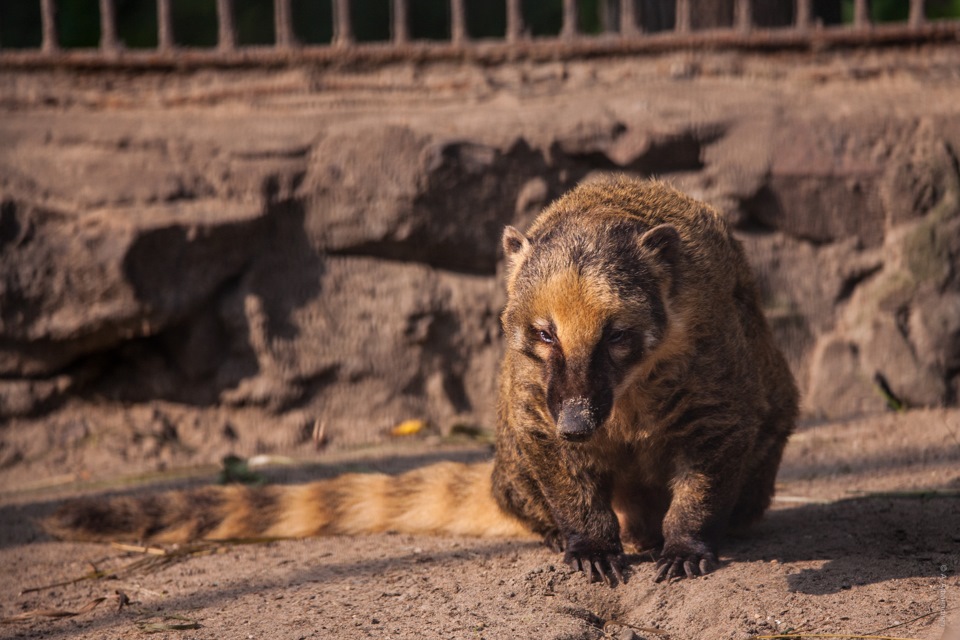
[[662, 244], [515, 246]]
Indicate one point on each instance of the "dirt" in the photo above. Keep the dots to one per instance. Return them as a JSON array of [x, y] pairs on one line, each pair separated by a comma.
[[863, 539]]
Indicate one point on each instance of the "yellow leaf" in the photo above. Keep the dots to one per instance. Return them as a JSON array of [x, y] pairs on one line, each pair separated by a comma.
[[408, 428]]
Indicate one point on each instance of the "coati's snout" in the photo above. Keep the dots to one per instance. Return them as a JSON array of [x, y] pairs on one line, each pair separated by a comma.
[[578, 410], [577, 420]]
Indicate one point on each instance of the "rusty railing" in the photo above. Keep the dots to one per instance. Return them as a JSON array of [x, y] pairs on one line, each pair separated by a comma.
[[623, 32]]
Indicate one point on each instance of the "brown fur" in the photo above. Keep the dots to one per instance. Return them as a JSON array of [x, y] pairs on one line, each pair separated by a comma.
[[448, 498], [642, 401]]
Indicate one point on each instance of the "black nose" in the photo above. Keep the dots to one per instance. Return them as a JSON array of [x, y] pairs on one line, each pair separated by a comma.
[[577, 420]]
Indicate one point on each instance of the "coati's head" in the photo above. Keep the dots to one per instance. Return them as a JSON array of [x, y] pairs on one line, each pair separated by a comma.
[[588, 303]]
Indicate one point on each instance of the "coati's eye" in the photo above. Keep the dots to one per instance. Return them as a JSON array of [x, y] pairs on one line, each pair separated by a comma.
[[616, 335], [545, 336]]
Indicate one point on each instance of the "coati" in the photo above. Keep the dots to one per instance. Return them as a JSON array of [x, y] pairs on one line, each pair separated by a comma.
[[641, 402]]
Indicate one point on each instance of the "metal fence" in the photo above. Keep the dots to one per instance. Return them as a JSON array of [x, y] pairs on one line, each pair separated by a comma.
[[624, 31]]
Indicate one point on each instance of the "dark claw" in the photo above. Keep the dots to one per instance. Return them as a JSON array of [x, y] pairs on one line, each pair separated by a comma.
[[678, 566], [615, 567], [666, 569], [598, 566], [706, 566]]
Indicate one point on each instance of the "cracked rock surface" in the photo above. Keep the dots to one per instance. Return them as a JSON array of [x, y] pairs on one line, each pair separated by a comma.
[[319, 244]]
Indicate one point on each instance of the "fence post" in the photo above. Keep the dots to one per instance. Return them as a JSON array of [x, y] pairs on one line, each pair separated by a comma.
[[917, 15], [458, 21], [861, 15], [227, 34], [743, 18], [108, 26], [164, 25], [628, 18], [804, 14], [401, 28], [342, 31], [514, 20], [682, 21], [48, 15], [283, 24], [569, 19]]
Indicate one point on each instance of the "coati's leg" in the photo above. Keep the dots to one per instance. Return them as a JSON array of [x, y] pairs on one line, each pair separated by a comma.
[[705, 486], [759, 482], [576, 494]]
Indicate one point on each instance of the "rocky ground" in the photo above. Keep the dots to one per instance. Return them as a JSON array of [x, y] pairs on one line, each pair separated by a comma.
[[863, 539]]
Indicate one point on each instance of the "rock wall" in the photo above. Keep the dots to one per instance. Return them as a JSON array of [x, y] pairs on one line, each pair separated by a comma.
[[324, 243]]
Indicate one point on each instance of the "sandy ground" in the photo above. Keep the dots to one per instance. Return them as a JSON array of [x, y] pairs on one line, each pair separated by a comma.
[[864, 539]]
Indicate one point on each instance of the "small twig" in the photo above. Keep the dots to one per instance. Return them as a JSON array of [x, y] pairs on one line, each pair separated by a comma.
[[159, 627], [643, 630], [156, 551], [92, 575], [926, 615], [920, 494], [847, 636], [26, 616]]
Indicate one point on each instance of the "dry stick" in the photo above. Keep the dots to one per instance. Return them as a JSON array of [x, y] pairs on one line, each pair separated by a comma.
[[156, 551], [921, 494], [93, 575], [847, 636], [26, 616], [902, 624], [154, 557]]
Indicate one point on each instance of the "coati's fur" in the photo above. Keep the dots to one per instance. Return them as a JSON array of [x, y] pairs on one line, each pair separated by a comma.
[[642, 401], [642, 398]]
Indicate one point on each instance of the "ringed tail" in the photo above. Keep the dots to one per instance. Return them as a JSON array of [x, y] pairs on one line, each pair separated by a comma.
[[445, 498]]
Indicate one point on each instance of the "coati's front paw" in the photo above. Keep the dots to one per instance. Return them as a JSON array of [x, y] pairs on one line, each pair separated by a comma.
[[689, 559], [595, 560]]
